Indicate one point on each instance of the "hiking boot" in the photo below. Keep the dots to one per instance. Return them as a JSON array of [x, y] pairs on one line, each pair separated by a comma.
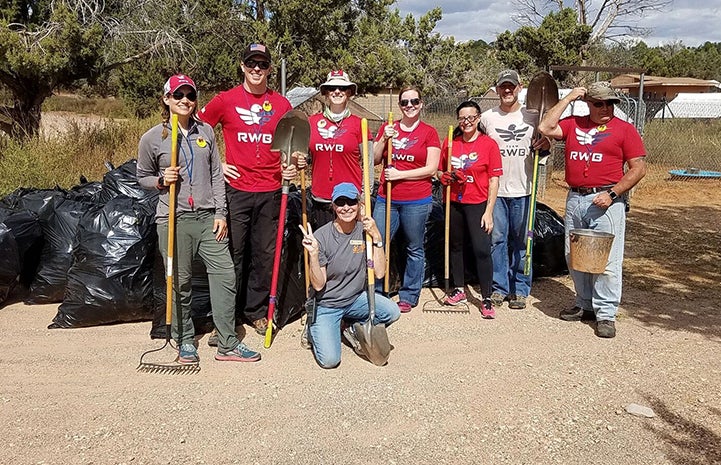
[[456, 297], [517, 302], [241, 353], [497, 299], [606, 329], [404, 306], [577, 314], [261, 326], [188, 354], [213, 338], [487, 310]]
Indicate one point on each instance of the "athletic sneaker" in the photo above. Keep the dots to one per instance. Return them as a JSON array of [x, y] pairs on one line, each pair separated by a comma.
[[456, 297], [517, 302], [188, 354], [497, 299], [487, 310], [241, 353], [404, 306]]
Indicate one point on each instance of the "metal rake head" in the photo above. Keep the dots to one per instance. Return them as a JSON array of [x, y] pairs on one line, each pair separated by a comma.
[[173, 367], [435, 306]]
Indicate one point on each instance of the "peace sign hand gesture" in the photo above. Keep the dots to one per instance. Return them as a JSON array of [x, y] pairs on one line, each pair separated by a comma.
[[309, 241]]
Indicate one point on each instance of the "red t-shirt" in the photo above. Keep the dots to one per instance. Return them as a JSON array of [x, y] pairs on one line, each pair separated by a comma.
[[595, 154], [410, 151], [335, 151], [248, 123], [479, 160]]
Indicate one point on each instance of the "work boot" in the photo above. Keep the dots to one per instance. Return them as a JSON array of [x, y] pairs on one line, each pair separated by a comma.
[[606, 329], [577, 314], [497, 299], [517, 302]]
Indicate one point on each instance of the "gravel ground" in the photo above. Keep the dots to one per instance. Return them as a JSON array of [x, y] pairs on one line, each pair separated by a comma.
[[526, 388]]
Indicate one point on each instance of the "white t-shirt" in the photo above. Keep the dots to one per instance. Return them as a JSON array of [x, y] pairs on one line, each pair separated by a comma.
[[513, 132]]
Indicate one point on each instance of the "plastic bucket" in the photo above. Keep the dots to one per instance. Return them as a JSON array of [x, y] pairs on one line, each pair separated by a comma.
[[589, 250]]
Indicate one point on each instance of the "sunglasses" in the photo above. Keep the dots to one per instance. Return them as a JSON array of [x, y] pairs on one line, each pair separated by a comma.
[[343, 201], [190, 95], [260, 64], [468, 119], [603, 103], [334, 88], [414, 101]]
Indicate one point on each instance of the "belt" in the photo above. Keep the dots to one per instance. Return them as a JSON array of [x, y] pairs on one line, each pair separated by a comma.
[[591, 190]]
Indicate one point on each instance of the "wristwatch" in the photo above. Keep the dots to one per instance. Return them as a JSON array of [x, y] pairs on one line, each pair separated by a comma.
[[612, 194], [161, 182], [378, 244]]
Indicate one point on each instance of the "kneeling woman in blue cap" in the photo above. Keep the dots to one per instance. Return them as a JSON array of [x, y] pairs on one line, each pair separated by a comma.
[[338, 274]]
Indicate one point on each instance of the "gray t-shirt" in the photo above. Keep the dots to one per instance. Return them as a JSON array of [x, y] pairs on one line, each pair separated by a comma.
[[344, 257]]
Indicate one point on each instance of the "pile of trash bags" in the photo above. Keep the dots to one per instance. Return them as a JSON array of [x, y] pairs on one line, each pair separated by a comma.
[[93, 249]]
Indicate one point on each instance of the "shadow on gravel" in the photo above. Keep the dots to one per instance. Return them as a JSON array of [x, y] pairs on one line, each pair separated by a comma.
[[553, 296], [672, 268], [687, 443]]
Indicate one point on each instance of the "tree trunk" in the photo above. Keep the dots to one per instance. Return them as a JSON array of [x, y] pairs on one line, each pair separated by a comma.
[[24, 115]]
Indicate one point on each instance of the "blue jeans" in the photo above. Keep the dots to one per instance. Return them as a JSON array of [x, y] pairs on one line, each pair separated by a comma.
[[412, 218], [325, 331], [598, 292], [508, 246]]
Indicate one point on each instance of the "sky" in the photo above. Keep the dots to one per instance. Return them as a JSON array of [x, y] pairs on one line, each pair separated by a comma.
[[691, 21]]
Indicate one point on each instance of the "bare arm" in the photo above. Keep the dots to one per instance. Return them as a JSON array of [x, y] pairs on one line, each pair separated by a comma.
[[636, 171], [549, 125], [487, 218]]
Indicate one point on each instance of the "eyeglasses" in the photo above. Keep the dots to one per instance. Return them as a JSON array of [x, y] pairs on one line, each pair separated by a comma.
[[343, 201], [190, 95], [603, 103], [414, 101], [467, 119], [335, 88], [260, 64]]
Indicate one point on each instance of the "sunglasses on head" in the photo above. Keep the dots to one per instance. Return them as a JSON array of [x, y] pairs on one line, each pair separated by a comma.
[[334, 88], [414, 101], [343, 201], [603, 103], [262, 64], [190, 95], [467, 119]]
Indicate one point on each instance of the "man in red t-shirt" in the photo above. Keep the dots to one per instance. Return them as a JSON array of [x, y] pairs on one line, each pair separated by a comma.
[[248, 115], [597, 147]]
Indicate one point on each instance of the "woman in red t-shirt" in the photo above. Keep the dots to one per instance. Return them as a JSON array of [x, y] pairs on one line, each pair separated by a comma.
[[416, 151], [335, 140], [476, 162]]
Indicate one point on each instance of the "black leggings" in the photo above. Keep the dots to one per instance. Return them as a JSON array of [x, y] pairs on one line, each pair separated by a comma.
[[466, 226]]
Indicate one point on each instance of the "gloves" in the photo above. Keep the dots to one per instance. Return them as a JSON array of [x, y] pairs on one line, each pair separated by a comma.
[[455, 176]]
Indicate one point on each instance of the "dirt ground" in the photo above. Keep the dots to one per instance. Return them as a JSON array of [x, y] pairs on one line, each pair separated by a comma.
[[526, 388]]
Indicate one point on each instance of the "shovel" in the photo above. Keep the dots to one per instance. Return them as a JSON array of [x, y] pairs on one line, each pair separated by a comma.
[[291, 135], [372, 338], [542, 95]]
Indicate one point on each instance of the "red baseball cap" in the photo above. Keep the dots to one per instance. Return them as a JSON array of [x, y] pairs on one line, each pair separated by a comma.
[[177, 81]]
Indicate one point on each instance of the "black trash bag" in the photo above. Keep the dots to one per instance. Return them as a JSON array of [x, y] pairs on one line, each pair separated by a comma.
[[87, 191], [59, 230], [549, 256], [200, 309], [25, 229], [123, 180], [111, 279], [291, 279], [9, 262], [39, 201]]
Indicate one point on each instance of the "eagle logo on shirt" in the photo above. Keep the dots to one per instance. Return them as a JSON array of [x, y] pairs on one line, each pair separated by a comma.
[[592, 137], [331, 133], [404, 143], [464, 161], [512, 133], [256, 115]]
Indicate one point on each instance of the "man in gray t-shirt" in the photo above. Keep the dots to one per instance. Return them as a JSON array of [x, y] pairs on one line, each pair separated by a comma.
[[338, 273]]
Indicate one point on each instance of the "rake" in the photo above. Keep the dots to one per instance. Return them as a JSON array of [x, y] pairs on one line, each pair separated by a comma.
[[173, 367], [436, 305]]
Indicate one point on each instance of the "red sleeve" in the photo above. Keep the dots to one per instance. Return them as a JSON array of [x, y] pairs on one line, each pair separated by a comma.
[[633, 144], [566, 125], [443, 161], [212, 113], [432, 139], [380, 132]]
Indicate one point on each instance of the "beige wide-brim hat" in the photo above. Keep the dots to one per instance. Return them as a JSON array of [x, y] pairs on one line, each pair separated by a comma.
[[602, 90], [339, 78]]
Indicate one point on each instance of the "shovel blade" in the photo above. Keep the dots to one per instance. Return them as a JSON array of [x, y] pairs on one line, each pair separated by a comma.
[[542, 93], [374, 342], [292, 133]]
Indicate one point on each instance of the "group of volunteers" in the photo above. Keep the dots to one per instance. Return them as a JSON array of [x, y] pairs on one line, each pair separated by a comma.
[[228, 212]]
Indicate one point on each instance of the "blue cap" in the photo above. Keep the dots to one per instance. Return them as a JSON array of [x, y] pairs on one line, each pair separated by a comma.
[[345, 189]]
